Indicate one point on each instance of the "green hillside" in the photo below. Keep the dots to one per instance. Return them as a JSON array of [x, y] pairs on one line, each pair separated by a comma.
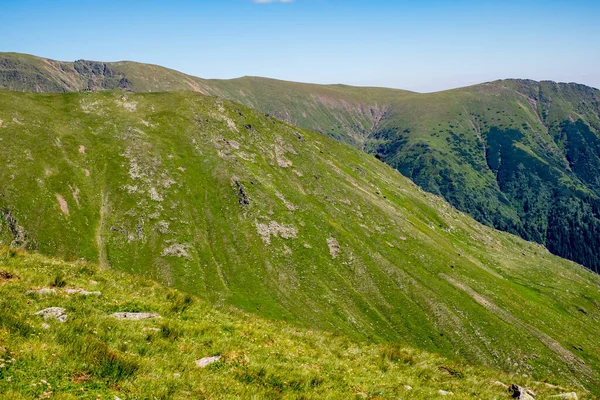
[[27, 73], [92, 355], [346, 113], [521, 156], [220, 201]]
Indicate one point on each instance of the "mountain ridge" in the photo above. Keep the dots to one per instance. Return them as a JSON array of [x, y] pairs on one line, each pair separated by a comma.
[[451, 142], [220, 200], [243, 77]]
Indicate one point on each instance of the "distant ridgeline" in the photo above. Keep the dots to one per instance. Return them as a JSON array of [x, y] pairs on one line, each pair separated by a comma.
[[519, 155]]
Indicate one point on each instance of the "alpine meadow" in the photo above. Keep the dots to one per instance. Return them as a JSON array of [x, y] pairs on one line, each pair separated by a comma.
[[166, 236], [520, 156]]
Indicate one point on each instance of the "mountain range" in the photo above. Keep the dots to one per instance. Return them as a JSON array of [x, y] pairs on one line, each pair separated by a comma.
[[518, 155], [224, 200]]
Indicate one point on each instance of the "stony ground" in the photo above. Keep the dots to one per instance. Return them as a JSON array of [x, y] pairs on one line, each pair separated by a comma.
[[74, 331]]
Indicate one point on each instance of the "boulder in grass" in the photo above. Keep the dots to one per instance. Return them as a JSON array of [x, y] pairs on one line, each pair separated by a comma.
[[570, 395], [42, 291], [81, 292], [206, 361], [521, 393], [56, 313], [134, 316]]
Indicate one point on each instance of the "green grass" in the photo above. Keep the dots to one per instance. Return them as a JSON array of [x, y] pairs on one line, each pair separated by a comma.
[[94, 356], [545, 189], [151, 184], [542, 184]]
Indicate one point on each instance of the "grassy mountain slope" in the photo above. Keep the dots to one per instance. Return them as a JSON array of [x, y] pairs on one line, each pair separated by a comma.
[[346, 113], [23, 72], [92, 355], [218, 200], [521, 156]]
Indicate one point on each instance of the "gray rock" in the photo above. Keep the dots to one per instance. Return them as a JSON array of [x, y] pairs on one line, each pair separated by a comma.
[[203, 362], [334, 247], [42, 291], [521, 393], [134, 316], [56, 313], [407, 387], [82, 292], [445, 393], [570, 395]]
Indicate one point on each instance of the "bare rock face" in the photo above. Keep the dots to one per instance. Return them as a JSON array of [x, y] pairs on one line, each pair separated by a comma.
[[56, 313], [241, 191], [204, 362], [20, 235], [134, 316]]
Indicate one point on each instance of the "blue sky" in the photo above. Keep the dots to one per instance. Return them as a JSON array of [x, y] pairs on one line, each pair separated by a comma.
[[421, 45]]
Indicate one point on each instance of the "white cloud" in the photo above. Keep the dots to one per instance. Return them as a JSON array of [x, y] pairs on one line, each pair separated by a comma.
[[272, 1]]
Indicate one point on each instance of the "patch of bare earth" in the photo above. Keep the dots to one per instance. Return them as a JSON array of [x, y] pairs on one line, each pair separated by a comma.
[[128, 105], [195, 87], [64, 207], [334, 247], [277, 230], [176, 250], [287, 204], [7, 276]]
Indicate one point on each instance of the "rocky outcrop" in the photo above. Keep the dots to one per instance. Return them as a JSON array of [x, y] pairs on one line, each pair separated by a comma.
[[206, 361], [521, 393], [82, 292], [570, 395], [134, 316], [19, 234], [42, 291], [334, 247], [57, 313]]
